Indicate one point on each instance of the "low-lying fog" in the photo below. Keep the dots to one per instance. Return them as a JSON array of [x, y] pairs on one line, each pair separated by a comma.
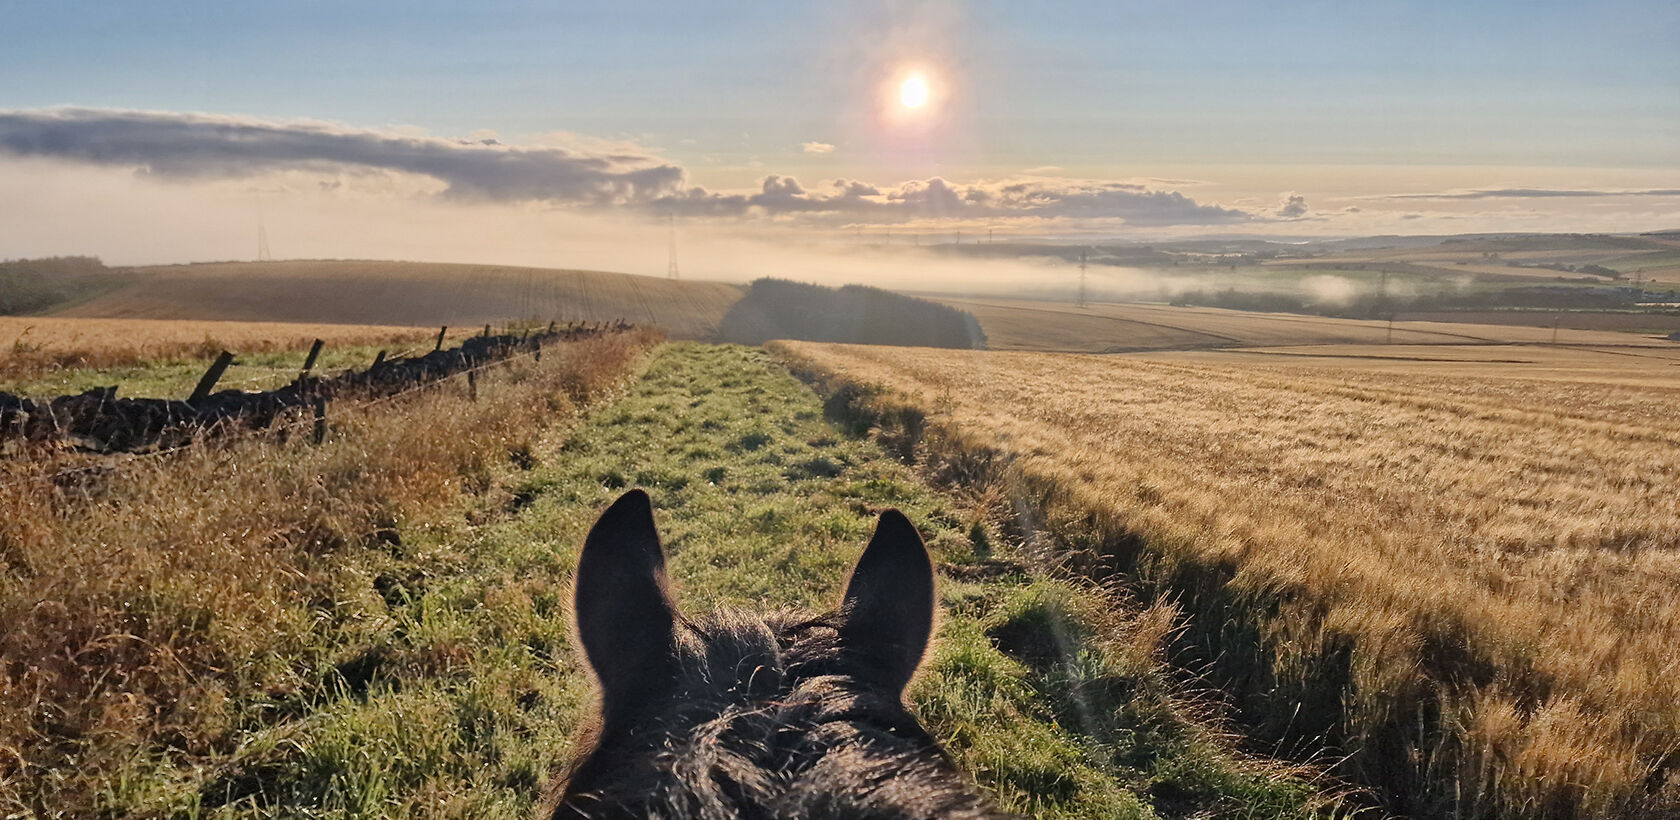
[[128, 219]]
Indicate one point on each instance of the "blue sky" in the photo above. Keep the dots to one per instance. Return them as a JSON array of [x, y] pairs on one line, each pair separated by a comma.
[[1250, 101], [1052, 82]]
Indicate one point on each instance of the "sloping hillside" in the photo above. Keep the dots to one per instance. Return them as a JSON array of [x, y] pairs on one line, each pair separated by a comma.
[[1113, 327], [410, 293]]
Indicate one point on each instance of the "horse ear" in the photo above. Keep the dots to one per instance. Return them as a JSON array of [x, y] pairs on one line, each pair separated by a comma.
[[625, 618], [889, 601]]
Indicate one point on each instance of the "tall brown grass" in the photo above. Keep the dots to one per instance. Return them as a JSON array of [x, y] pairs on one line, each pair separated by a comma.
[[1464, 585], [141, 599]]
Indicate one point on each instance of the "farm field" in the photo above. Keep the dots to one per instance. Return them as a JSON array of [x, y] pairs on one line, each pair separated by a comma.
[[1573, 367], [1643, 324], [409, 293], [403, 649], [1654, 259], [1458, 573], [43, 355], [1108, 327]]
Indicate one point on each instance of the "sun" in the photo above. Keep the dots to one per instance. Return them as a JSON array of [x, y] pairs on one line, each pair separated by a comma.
[[914, 92]]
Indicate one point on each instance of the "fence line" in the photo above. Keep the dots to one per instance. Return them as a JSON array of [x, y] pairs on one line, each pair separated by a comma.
[[126, 426]]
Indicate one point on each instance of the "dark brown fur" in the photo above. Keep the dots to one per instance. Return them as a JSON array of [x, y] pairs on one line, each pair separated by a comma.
[[744, 716]]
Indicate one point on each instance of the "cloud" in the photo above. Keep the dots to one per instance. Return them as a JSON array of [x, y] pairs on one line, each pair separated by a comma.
[[1294, 206], [568, 170], [1532, 193], [816, 148], [939, 198], [172, 145]]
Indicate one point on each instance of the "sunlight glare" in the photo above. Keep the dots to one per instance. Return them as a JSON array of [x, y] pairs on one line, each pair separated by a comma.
[[914, 92]]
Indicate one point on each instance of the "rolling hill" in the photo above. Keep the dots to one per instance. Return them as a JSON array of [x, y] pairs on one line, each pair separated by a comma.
[[409, 293], [1110, 327]]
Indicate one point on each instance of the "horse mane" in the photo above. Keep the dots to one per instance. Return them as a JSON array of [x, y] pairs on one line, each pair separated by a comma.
[[780, 715]]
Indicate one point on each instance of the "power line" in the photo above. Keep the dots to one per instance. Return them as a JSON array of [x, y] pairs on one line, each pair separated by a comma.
[[262, 238], [1082, 277], [671, 260]]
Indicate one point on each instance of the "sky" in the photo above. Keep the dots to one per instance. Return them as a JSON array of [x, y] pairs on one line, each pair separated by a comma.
[[164, 131]]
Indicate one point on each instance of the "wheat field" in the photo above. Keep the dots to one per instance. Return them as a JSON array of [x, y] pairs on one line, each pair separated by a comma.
[[1463, 574]]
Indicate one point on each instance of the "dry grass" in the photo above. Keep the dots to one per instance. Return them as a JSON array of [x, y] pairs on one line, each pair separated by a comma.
[[1466, 582], [32, 347], [1123, 327], [163, 607], [412, 293]]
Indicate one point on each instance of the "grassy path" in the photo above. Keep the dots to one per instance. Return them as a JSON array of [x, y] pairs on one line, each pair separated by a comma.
[[463, 695]]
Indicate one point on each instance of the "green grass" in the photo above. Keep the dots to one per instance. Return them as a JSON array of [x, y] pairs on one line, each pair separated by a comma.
[[1639, 263], [444, 682]]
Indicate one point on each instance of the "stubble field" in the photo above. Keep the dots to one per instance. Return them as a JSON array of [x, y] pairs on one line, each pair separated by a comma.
[[1120, 327]]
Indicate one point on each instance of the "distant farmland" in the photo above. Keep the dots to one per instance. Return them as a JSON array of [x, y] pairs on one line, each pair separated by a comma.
[[411, 293], [1460, 573], [1126, 327]]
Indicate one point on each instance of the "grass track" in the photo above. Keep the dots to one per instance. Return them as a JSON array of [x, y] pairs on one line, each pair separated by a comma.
[[459, 690]]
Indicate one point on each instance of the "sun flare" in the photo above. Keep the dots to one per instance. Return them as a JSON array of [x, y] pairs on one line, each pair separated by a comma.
[[914, 92]]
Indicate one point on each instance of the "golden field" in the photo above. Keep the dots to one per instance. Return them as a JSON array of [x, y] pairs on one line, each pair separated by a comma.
[[1459, 573], [411, 293], [1115, 327]]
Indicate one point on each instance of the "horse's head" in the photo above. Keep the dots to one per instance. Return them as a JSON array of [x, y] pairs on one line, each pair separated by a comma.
[[738, 715]]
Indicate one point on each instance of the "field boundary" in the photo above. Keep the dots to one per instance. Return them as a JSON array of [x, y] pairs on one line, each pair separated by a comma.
[[97, 421]]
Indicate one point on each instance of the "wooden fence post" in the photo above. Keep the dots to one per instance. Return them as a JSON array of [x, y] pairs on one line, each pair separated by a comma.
[[211, 376], [439, 345], [472, 385], [320, 418], [309, 361], [487, 330]]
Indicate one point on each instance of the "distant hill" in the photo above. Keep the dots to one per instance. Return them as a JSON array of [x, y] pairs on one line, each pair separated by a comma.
[[409, 293], [35, 285]]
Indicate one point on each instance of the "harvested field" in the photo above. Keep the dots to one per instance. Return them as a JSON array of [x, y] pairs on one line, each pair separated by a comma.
[[1463, 581], [1125, 327], [1576, 367], [411, 293], [1621, 322]]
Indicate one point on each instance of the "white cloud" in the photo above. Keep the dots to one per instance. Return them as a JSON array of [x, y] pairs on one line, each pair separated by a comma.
[[816, 148], [1294, 206], [571, 170]]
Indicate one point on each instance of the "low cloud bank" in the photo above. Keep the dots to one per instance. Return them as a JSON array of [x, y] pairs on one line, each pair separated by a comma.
[[173, 145], [1534, 193]]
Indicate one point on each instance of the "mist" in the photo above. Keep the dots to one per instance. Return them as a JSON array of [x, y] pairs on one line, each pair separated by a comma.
[[53, 208]]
